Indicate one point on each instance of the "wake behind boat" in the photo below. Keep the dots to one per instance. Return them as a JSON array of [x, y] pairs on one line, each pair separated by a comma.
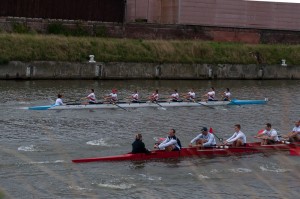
[[143, 104], [250, 148]]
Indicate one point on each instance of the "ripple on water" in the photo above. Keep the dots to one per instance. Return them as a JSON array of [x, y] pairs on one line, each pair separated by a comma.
[[240, 170], [121, 186], [272, 169], [101, 142], [29, 148]]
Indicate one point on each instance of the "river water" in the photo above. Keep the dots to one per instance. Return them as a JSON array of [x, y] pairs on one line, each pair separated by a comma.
[[36, 147]]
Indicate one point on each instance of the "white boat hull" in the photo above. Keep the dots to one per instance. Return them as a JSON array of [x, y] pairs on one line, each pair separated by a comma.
[[138, 105], [148, 104]]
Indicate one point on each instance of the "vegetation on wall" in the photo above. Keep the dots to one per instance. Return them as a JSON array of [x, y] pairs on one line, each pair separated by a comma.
[[31, 47]]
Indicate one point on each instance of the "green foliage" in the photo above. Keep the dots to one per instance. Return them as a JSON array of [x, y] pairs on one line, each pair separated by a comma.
[[57, 28], [101, 31], [28, 47], [20, 28]]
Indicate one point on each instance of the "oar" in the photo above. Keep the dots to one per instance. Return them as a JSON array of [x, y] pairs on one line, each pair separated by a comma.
[[120, 106], [159, 105], [211, 131], [204, 105]]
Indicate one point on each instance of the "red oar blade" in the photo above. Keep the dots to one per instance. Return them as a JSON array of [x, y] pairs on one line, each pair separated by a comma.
[[295, 151]]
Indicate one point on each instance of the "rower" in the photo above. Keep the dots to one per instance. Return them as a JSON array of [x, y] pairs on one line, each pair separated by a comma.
[[211, 94], [112, 97], [238, 138], [171, 143], [138, 145], [294, 135], [59, 101], [154, 97], [204, 139], [190, 96], [268, 136], [91, 97], [135, 97], [175, 96], [226, 95]]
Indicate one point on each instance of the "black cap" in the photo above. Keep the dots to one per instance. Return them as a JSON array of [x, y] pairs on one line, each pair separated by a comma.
[[204, 129]]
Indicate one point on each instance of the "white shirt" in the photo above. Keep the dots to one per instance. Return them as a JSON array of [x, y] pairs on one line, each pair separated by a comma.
[[192, 95], [227, 94], [236, 136], [59, 102], [135, 96], [155, 96], [296, 129], [114, 96], [271, 133], [168, 142], [92, 97], [175, 96], [209, 137], [211, 95]]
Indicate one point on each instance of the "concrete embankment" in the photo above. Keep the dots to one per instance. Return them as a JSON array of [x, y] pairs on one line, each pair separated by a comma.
[[16, 70]]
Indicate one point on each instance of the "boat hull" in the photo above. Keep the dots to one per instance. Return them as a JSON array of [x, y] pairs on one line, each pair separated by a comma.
[[147, 104], [191, 152]]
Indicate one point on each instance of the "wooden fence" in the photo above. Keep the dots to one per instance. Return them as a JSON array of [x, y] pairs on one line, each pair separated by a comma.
[[88, 10]]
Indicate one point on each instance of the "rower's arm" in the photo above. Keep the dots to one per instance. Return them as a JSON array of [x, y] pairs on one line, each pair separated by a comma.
[[195, 139], [232, 138], [164, 145]]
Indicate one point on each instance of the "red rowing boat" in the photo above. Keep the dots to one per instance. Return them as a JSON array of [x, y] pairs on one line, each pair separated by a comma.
[[255, 147]]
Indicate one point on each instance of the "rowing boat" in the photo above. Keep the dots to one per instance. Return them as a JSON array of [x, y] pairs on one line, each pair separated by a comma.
[[250, 148], [147, 104]]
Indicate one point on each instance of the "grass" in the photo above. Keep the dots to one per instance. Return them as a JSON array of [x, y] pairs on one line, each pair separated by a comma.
[[33, 47]]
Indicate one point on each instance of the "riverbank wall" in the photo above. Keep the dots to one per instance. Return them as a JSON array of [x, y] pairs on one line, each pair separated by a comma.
[[42, 70]]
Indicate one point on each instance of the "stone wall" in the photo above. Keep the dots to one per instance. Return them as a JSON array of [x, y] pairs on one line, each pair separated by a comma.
[[66, 70], [158, 31]]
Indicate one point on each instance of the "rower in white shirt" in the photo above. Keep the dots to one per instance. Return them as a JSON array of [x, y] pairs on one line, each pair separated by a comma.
[[226, 95], [175, 96], [112, 97], [211, 94], [171, 143], [294, 135], [154, 97], [268, 136], [134, 97], [238, 138], [204, 139], [190, 96], [91, 97], [59, 101]]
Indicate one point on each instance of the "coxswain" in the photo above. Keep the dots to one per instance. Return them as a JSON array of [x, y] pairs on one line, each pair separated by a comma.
[[138, 145], [171, 143], [59, 101], [226, 95], [211, 94], [134, 97], [154, 97], [112, 97], [190, 96], [268, 136], [175, 96], [294, 135], [204, 139], [91, 97], [238, 138]]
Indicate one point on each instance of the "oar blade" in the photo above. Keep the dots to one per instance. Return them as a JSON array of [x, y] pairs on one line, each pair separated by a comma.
[[295, 151]]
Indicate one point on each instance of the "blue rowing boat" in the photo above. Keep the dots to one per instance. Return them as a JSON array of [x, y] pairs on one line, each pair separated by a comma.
[[144, 104]]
